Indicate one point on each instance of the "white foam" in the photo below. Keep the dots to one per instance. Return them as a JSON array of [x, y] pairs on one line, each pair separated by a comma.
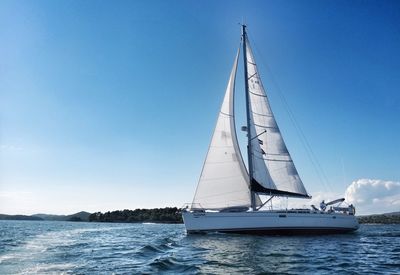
[[41, 243], [62, 268]]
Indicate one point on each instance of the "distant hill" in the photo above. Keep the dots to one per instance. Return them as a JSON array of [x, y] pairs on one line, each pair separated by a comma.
[[387, 218], [83, 216], [49, 217], [80, 216], [393, 213], [77, 217], [157, 215], [19, 217]]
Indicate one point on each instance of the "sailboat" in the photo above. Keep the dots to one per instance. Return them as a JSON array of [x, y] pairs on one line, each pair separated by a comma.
[[230, 197]]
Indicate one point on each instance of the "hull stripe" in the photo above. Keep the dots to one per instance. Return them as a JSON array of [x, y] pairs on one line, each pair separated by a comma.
[[280, 230]]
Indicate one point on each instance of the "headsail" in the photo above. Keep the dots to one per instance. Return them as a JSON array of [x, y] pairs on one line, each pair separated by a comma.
[[273, 168], [224, 181]]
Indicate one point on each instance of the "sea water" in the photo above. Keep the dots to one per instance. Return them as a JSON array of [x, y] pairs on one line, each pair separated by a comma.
[[35, 247]]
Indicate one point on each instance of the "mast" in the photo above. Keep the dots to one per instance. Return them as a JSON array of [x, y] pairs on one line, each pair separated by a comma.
[[249, 150]]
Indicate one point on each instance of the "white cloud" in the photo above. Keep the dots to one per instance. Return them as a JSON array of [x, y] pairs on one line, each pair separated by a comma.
[[369, 196], [373, 196]]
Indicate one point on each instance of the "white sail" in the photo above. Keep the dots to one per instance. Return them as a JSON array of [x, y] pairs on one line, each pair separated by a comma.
[[273, 167], [224, 181]]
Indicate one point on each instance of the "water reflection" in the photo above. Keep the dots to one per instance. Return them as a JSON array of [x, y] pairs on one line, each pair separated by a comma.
[[355, 252], [86, 248]]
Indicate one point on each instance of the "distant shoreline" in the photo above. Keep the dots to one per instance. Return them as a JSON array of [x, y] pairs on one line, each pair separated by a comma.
[[167, 215], [77, 217], [155, 215], [387, 218]]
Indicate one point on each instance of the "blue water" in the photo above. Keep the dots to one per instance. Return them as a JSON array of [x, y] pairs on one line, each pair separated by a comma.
[[29, 247]]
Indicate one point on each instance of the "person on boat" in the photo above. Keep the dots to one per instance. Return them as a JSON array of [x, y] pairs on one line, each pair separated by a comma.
[[352, 209], [322, 205]]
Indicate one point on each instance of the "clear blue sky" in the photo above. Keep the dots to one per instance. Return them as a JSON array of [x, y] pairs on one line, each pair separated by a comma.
[[109, 105]]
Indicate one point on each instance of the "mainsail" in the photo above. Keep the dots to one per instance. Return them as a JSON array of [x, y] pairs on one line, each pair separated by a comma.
[[273, 168], [224, 181]]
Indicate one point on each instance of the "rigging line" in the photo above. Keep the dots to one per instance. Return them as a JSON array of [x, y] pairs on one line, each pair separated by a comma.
[[310, 153], [258, 135], [251, 75], [265, 202]]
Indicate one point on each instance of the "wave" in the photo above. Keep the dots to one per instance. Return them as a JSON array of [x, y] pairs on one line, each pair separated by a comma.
[[54, 248], [49, 268], [171, 264], [152, 248]]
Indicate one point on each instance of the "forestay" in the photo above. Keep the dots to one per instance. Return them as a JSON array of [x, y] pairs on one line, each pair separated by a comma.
[[273, 168], [224, 181]]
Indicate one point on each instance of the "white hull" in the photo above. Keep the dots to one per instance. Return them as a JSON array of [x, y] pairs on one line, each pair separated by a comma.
[[269, 222]]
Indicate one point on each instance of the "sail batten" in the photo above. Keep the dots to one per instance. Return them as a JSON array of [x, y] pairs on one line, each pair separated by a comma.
[[273, 168]]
